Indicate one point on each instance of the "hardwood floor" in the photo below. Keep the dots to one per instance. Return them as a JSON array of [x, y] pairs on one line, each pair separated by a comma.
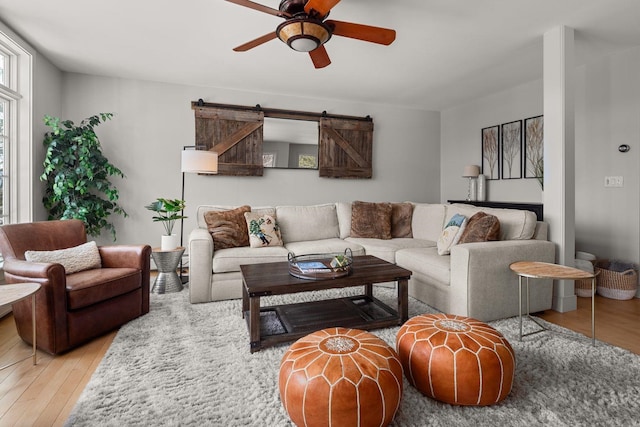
[[44, 395]]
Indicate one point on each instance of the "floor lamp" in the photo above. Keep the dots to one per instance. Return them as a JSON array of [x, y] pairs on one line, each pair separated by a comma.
[[195, 160]]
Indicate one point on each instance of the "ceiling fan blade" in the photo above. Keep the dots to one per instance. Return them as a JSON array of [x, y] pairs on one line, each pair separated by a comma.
[[320, 57], [362, 32], [259, 7], [255, 42], [322, 7]]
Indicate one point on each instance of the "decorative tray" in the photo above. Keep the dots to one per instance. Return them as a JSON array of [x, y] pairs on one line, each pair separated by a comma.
[[321, 266]]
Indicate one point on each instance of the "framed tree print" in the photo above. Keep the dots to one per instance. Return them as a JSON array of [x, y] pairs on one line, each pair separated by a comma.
[[533, 147], [511, 150], [491, 152]]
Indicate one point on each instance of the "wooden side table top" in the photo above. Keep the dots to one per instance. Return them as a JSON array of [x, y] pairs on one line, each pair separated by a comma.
[[545, 270], [10, 294]]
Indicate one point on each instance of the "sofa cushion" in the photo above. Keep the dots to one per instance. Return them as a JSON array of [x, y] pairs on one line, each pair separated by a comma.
[[386, 249], [481, 227], [428, 221], [226, 260], [263, 230], [303, 223], [451, 234], [75, 259], [89, 287], [514, 224], [324, 246], [228, 228], [426, 262], [371, 220], [401, 214], [343, 209]]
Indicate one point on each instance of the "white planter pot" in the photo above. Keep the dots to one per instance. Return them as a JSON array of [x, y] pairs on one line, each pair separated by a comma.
[[169, 242]]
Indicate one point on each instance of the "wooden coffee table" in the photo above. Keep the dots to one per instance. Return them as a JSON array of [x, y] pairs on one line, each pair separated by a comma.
[[276, 324]]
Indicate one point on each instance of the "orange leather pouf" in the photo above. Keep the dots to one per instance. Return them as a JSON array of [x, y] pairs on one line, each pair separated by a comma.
[[456, 359], [340, 377]]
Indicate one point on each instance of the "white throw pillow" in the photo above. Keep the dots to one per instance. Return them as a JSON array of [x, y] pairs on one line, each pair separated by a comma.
[[263, 230], [451, 234], [78, 258]]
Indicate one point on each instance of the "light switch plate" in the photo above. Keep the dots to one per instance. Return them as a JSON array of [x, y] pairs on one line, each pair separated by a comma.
[[613, 181]]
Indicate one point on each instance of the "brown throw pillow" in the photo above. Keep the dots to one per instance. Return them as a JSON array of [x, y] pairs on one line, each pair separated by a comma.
[[401, 214], [371, 220], [481, 227], [228, 228]]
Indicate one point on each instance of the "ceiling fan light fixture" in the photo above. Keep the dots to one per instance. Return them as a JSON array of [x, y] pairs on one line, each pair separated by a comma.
[[303, 34]]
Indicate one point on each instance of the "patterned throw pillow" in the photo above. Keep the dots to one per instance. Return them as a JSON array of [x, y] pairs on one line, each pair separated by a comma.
[[481, 227], [371, 220], [401, 215], [263, 230], [451, 234], [75, 259], [228, 228]]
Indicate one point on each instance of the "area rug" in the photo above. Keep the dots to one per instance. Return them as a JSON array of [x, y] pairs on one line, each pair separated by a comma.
[[189, 365]]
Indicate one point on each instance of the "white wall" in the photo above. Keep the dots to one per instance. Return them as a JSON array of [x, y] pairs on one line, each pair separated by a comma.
[[47, 99], [607, 105], [154, 120], [462, 144], [608, 115]]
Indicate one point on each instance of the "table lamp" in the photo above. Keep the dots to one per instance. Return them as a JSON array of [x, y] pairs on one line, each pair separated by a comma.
[[470, 172]]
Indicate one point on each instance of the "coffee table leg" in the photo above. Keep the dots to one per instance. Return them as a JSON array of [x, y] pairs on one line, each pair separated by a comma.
[[403, 300], [368, 290], [245, 299], [254, 323]]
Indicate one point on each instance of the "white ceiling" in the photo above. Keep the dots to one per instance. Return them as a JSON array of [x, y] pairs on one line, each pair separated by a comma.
[[446, 51]]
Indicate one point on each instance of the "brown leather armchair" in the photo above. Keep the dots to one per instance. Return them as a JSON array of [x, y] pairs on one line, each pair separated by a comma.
[[71, 309]]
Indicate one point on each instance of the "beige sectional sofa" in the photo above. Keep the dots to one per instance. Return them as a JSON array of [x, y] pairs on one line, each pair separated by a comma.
[[474, 280]]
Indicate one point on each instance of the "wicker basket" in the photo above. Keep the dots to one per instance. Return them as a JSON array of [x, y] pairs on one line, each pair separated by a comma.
[[583, 287], [611, 283]]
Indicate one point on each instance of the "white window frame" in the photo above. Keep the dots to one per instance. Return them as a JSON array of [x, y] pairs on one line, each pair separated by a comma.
[[19, 149]]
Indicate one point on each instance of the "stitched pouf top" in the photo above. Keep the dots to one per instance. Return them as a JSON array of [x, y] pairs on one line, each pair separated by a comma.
[[340, 377], [456, 359]]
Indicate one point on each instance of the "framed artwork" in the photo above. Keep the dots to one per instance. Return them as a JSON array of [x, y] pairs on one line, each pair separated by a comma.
[[533, 147], [511, 150], [491, 152], [269, 160]]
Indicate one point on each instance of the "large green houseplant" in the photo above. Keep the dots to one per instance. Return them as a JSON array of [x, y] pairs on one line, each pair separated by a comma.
[[77, 175]]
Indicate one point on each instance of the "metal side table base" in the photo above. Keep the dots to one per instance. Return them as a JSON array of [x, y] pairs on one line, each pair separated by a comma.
[[167, 263]]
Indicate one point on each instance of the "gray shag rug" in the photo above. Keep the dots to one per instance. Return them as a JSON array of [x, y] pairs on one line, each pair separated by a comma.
[[189, 365]]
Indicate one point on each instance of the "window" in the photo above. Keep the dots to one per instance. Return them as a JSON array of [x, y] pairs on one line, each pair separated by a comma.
[[4, 112], [16, 170]]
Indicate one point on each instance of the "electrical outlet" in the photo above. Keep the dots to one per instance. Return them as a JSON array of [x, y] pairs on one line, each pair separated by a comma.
[[613, 181]]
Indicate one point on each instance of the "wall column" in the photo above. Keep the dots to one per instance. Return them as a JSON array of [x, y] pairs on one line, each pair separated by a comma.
[[559, 155]]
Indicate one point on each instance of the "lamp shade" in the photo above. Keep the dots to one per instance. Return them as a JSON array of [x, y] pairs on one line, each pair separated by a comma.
[[199, 161], [471, 171]]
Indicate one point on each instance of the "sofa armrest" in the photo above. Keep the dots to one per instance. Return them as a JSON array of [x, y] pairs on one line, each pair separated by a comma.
[[484, 287], [200, 265]]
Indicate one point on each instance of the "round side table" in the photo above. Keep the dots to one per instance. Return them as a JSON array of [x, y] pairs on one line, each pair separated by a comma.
[[10, 294], [167, 263], [545, 270]]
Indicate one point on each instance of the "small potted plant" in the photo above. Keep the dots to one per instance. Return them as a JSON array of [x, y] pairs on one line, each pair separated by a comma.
[[168, 211]]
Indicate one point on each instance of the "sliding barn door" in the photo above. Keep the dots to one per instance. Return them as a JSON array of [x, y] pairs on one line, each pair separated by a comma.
[[346, 148], [236, 135]]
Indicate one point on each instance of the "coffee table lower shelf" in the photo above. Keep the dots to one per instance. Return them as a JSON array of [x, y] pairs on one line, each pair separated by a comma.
[[283, 323]]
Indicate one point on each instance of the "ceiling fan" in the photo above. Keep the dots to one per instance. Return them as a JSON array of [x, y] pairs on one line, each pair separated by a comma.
[[305, 29]]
